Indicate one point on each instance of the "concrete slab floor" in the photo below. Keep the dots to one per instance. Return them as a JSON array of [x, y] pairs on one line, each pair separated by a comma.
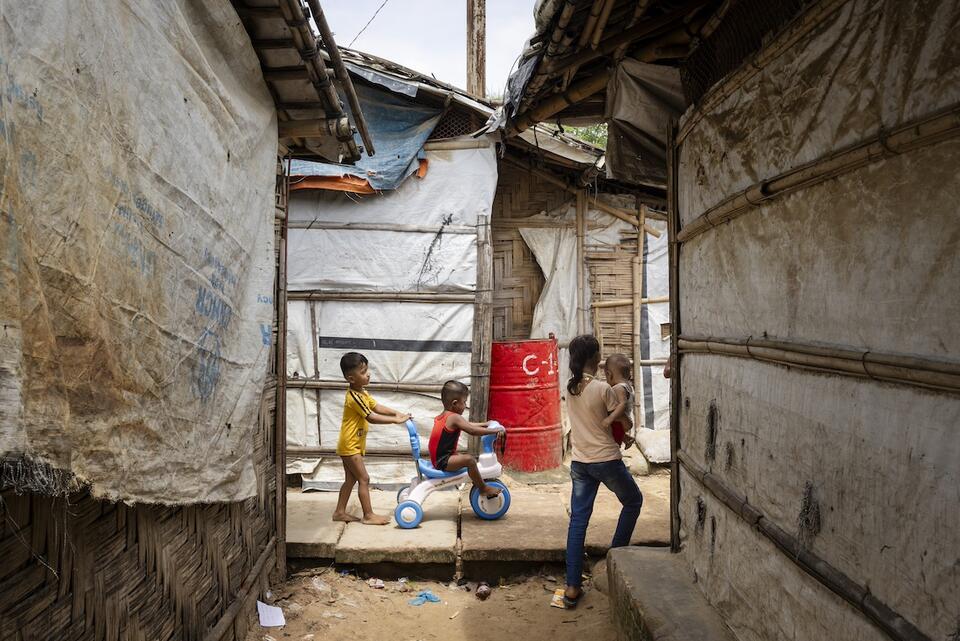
[[653, 526], [534, 529], [310, 531], [434, 541]]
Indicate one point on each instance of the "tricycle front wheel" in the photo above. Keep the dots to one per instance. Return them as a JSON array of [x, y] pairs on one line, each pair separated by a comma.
[[490, 509]]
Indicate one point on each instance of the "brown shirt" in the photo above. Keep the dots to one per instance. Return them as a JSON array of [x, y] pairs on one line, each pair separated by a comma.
[[592, 443]]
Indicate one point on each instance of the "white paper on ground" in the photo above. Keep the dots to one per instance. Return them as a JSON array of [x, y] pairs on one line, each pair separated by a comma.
[[270, 616]]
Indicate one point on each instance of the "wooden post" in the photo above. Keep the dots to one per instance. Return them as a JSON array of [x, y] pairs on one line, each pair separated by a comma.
[[477, 48], [673, 228], [280, 364], [482, 329], [638, 262], [581, 267]]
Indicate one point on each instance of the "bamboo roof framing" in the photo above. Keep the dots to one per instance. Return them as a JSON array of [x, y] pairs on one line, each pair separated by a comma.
[[302, 69], [574, 54]]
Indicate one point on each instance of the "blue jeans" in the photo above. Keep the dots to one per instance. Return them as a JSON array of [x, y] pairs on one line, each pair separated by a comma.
[[587, 478]]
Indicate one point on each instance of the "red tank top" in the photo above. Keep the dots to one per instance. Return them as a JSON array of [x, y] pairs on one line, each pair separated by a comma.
[[443, 440]]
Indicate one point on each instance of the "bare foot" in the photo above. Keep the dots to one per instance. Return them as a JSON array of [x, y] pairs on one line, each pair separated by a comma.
[[345, 517], [375, 519], [490, 491]]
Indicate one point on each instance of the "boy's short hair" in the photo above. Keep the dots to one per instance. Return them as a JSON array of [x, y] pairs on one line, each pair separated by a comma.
[[351, 361], [452, 390], [621, 362]]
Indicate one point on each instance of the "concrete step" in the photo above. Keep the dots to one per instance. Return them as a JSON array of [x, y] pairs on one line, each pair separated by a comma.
[[533, 531], [654, 598]]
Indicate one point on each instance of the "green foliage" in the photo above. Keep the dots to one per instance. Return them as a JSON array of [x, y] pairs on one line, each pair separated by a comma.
[[594, 134]]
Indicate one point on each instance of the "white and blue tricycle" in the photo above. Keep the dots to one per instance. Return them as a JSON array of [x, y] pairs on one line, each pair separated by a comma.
[[410, 499]]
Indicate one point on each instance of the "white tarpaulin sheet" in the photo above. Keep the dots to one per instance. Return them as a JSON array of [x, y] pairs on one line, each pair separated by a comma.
[[388, 249], [555, 250], [137, 160], [390, 261], [405, 342], [869, 260]]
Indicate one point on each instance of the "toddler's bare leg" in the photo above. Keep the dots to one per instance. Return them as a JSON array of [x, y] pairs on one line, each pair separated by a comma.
[[363, 480], [456, 461], [341, 514]]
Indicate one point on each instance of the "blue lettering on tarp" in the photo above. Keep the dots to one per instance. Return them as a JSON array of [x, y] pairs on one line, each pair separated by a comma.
[[222, 275], [212, 306], [152, 213], [206, 369], [266, 334], [141, 258], [266, 300], [12, 258]]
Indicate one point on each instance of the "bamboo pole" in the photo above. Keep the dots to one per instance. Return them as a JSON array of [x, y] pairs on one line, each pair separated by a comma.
[[482, 329], [626, 302], [908, 370], [306, 46], [576, 93], [581, 266], [398, 297], [417, 388], [626, 37], [637, 318], [418, 229], [315, 128], [246, 591], [455, 144], [911, 135], [673, 227], [601, 23], [300, 451], [596, 202], [858, 596], [280, 405], [343, 75], [595, 9]]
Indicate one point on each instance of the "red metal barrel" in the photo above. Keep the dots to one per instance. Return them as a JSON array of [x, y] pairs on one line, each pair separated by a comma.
[[525, 398]]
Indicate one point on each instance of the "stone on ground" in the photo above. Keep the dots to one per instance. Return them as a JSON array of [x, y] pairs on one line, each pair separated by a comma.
[[434, 541], [653, 597]]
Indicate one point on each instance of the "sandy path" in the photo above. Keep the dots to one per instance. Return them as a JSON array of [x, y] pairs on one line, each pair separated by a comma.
[[348, 609]]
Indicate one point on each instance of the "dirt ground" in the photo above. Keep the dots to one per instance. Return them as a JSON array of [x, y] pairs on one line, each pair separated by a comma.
[[325, 605]]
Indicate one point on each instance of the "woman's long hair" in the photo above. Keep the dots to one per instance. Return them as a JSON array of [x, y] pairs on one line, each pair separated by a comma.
[[582, 349]]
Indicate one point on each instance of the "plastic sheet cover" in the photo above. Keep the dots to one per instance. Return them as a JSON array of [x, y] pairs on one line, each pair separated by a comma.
[[397, 245], [398, 127], [555, 250], [136, 246], [642, 100]]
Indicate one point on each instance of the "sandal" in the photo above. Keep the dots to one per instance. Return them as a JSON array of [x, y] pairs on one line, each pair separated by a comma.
[[571, 604]]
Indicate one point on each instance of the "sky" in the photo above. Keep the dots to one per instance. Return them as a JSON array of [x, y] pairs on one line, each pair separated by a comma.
[[430, 36]]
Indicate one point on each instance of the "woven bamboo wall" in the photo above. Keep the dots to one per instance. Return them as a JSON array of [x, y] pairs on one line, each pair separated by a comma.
[[611, 277], [74, 567], [517, 279]]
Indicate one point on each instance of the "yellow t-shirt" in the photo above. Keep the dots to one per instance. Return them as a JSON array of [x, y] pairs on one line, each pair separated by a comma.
[[357, 406]]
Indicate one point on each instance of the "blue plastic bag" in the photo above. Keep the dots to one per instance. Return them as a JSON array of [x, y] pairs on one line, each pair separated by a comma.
[[423, 597]]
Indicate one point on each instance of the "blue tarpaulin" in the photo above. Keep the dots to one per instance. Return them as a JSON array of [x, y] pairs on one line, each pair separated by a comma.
[[398, 128]]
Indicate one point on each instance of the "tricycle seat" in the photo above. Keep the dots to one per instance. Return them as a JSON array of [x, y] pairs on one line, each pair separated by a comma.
[[429, 471]]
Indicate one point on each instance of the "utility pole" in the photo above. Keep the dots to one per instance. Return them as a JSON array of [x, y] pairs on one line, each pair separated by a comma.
[[477, 48]]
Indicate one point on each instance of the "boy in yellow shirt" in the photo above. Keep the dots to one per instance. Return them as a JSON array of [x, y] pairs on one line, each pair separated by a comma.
[[359, 409]]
